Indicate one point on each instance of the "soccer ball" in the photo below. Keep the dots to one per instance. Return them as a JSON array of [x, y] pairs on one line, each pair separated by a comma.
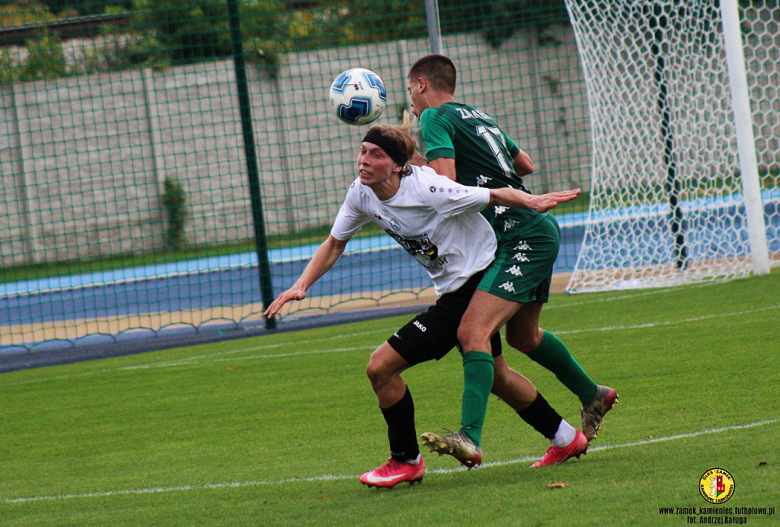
[[358, 96]]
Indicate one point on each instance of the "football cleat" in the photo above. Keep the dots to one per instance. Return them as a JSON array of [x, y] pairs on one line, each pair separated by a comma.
[[458, 445], [593, 413], [394, 472], [557, 454]]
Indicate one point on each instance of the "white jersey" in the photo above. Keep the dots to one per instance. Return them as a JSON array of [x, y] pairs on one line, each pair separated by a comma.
[[435, 219]]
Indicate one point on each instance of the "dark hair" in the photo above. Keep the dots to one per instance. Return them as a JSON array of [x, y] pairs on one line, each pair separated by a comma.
[[438, 70]]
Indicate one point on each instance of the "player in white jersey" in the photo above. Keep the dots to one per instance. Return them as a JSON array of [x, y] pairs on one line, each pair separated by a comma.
[[438, 222]]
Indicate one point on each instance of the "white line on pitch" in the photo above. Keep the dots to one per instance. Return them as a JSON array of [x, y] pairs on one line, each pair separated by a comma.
[[668, 322], [194, 359], [332, 477]]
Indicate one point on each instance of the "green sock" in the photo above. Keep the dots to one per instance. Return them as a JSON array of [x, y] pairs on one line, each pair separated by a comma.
[[478, 381], [555, 356]]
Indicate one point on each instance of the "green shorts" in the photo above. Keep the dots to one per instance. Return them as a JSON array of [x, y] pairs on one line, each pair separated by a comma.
[[522, 270]]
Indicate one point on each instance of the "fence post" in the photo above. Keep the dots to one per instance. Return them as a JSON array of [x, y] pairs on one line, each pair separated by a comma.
[[22, 139], [434, 28], [261, 242]]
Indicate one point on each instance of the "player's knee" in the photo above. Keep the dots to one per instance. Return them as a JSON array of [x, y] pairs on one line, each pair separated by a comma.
[[373, 371], [522, 342], [470, 338], [377, 371]]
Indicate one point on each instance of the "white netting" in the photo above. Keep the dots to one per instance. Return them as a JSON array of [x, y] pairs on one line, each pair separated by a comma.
[[761, 35], [666, 204]]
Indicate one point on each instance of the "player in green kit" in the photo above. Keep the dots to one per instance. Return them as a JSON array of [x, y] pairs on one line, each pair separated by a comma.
[[466, 145]]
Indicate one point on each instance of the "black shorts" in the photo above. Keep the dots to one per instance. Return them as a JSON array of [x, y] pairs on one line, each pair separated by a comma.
[[431, 335]]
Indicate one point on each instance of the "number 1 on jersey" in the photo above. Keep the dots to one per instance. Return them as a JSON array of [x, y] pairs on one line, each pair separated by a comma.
[[492, 134]]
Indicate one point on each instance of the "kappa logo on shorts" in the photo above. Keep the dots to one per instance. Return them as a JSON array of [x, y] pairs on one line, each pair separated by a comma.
[[515, 270], [521, 257], [523, 246], [508, 224], [501, 210], [420, 326], [509, 287]]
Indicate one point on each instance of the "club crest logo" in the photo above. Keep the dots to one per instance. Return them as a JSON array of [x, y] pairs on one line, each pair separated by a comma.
[[716, 485]]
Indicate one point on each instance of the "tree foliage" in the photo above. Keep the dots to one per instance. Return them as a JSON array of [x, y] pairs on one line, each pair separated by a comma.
[[166, 32]]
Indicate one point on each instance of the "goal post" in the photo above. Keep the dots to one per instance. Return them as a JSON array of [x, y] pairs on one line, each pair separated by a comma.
[[675, 193], [743, 120]]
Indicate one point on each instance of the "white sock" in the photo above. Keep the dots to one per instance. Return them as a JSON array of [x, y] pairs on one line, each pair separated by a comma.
[[415, 461], [564, 435]]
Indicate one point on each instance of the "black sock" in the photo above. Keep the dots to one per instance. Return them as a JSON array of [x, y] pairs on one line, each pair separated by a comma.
[[401, 430], [542, 417]]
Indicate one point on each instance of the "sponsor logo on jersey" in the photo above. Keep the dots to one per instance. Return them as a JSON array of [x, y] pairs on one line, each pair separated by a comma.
[[482, 180], [521, 257], [394, 224], [523, 246], [501, 210], [422, 248], [508, 224], [432, 189], [508, 287]]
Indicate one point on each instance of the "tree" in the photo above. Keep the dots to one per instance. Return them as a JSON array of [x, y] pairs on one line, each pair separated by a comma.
[[199, 29]]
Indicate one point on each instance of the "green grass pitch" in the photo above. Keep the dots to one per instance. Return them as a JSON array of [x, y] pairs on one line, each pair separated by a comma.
[[276, 430]]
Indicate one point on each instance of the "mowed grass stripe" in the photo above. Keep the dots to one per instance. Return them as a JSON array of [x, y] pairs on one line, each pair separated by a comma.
[[221, 355], [156, 431]]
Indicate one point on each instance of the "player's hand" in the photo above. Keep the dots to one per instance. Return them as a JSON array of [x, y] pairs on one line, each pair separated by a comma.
[[293, 293], [545, 202]]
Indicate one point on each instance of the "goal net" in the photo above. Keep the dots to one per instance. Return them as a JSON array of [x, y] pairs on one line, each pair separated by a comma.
[[666, 204]]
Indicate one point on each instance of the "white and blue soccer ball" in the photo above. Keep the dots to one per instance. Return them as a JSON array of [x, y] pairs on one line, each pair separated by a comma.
[[358, 96]]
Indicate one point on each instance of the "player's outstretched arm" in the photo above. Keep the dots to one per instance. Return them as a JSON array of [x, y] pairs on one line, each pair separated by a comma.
[[322, 261], [509, 197]]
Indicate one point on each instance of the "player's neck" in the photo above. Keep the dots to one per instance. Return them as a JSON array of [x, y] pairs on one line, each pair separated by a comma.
[[438, 98], [384, 190]]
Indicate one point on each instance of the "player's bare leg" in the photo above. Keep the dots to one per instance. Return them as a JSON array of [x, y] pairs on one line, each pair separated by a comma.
[[395, 401], [479, 377], [524, 334], [512, 387], [485, 315], [384, 372]]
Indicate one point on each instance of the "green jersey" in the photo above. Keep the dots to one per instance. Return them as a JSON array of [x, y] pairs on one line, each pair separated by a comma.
[[484, 157]]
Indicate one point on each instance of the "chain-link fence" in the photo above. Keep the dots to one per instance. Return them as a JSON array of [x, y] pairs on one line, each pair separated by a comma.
[[139, 140]]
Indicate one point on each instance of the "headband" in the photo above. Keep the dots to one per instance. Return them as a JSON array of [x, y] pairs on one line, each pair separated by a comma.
[[387, 145]]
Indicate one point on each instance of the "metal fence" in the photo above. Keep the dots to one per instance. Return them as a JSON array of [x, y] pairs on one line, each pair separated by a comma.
[[166, 166]]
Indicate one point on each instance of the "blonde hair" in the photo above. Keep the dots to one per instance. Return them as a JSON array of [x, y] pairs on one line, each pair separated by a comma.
[[401, 136]]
